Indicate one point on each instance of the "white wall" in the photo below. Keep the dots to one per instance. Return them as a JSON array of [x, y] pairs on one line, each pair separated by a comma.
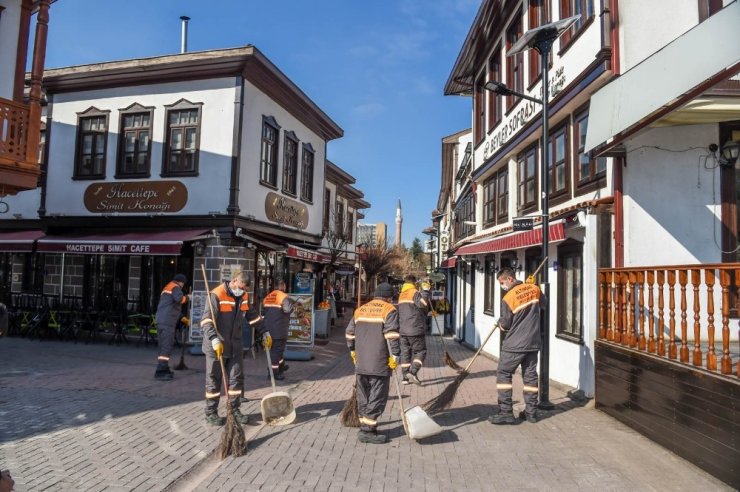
[[207, 192], [252, 194], [672, 204], [10, 19]]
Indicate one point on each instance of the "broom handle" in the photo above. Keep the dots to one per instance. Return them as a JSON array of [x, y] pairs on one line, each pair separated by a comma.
[[215, 327], [539, 267], [480, 349], [398, 389]]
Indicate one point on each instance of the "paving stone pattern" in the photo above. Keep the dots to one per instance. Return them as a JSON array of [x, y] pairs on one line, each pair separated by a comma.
[[91, 417]]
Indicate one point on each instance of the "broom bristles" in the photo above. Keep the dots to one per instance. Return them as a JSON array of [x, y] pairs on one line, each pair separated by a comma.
[[450, 362], [181, 365], [446, 397], [350, 414], [233, 441]]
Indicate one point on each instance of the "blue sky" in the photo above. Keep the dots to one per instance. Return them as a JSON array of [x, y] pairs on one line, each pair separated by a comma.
[[377, 68]]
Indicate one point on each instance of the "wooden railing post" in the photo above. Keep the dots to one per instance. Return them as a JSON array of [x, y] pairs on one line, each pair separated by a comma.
[[684, 351], [711, 355], [696, 281], [617, 308], [624, 336], [672, 314], [632, 327], [602, 305], [724, 281], [641, 341], [661, 320], [651, 321], [608, 299]]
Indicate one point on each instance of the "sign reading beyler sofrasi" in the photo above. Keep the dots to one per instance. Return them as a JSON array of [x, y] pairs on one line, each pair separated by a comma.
[[136, 197], [286, 211]]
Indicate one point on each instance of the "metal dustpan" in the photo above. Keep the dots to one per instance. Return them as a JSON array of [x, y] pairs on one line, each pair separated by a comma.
[[420, 425], [277, 407]]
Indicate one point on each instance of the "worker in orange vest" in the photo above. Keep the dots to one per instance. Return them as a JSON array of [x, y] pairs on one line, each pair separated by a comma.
[[169, 312], [277, 308]]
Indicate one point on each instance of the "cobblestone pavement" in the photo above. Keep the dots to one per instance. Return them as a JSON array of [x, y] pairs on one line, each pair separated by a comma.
[[91, 417]]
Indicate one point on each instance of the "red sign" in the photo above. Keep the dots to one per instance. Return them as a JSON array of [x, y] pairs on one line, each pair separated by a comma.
[[306, 254]]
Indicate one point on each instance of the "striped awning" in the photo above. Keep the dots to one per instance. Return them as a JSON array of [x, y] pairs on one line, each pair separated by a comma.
[[515, 240]]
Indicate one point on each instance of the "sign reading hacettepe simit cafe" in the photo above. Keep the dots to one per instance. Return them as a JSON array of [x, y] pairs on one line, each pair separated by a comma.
[[144, 197]]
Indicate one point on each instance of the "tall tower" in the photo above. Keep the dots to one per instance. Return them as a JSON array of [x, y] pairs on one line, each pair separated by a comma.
[[399, 220]]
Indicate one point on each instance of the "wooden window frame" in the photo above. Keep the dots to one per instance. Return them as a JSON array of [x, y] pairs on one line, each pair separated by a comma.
[[89, 114], [269, 151], [348, 228], [489, 285], [567, 9], [495, 101], [489, 200], [308, 163], [327, 210], [569, 249], [561, 129], [479, 109], [290, 164], [595, 179], [523, 177], [502, 195], [538, 14], [339, 218], [181, 105], [708, 8], [133, 110], [514, 64]]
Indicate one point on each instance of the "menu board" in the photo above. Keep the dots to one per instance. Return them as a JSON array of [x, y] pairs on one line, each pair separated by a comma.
[[301, 331], [198, 302]]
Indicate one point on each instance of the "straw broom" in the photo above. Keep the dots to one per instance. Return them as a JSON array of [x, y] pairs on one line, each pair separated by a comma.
[[446, 397], [181, 365], [448, 360], [350, 414], [233, 441]]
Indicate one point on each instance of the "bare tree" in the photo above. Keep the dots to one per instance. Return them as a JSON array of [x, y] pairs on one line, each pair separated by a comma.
[[378, 262]]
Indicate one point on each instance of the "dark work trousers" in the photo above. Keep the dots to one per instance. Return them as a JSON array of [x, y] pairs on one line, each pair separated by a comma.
[[507, 365], [413, 352], [276, 353], [372, 395], [214, 381], [165, 340]]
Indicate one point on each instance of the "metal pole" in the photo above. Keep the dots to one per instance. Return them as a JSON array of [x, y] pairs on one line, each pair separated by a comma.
[[544, 384], [184, 34]]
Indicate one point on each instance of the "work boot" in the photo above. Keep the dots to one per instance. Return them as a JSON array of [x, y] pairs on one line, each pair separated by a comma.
[[529, 417], [284, 367], [502, 419], [240, 417], [405, 379], [242, 400], [278, 375], [213, 419], [372, 437], [414, 379], [163, 373]]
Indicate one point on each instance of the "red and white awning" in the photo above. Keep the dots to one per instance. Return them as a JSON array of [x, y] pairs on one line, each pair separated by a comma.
[[513, 241], [19, 241]]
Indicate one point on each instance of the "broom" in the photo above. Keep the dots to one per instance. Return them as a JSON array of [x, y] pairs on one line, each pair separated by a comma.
[[181, 365], [233, 442], [448, 360], [350, 414], [446, 397]]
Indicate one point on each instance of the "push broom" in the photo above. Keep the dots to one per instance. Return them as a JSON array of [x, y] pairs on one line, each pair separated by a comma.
[[233, 441], [181, 365], [446, 397], [448, 360]]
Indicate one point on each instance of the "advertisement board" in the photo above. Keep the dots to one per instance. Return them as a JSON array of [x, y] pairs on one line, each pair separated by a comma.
[[198, 302], [301, 331]]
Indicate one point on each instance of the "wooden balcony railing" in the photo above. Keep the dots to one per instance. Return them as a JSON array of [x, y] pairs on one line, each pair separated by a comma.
[[14, 128], [632, 312]]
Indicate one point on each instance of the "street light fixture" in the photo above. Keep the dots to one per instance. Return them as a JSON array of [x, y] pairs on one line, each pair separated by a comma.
[[541, 38]]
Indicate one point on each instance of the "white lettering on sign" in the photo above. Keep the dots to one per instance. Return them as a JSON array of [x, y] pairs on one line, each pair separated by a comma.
[[140, 248], [108, 248]]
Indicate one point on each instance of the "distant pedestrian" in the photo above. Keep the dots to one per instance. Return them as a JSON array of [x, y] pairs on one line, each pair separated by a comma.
[[373, 326], [413, 310], [277, 308], [231, 310], [520, 327], [6, 481], [169, 312], [3, 319]]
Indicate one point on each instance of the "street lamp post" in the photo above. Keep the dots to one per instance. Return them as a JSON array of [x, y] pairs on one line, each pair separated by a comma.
[[541, 39]]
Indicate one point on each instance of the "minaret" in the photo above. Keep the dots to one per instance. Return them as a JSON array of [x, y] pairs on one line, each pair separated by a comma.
[[399, 220]]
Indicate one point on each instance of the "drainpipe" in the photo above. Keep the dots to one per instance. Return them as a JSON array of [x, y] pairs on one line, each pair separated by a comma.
[[614, 17], [184, 34], [618, 213]]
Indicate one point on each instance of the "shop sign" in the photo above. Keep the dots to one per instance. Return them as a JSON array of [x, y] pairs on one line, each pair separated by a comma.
[[305, 254], [130, 197], [522, 224], [286, 211], [301, 330]]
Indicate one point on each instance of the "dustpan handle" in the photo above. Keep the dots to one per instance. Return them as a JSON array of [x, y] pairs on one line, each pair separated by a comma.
[[269, 368], [398, 389]]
